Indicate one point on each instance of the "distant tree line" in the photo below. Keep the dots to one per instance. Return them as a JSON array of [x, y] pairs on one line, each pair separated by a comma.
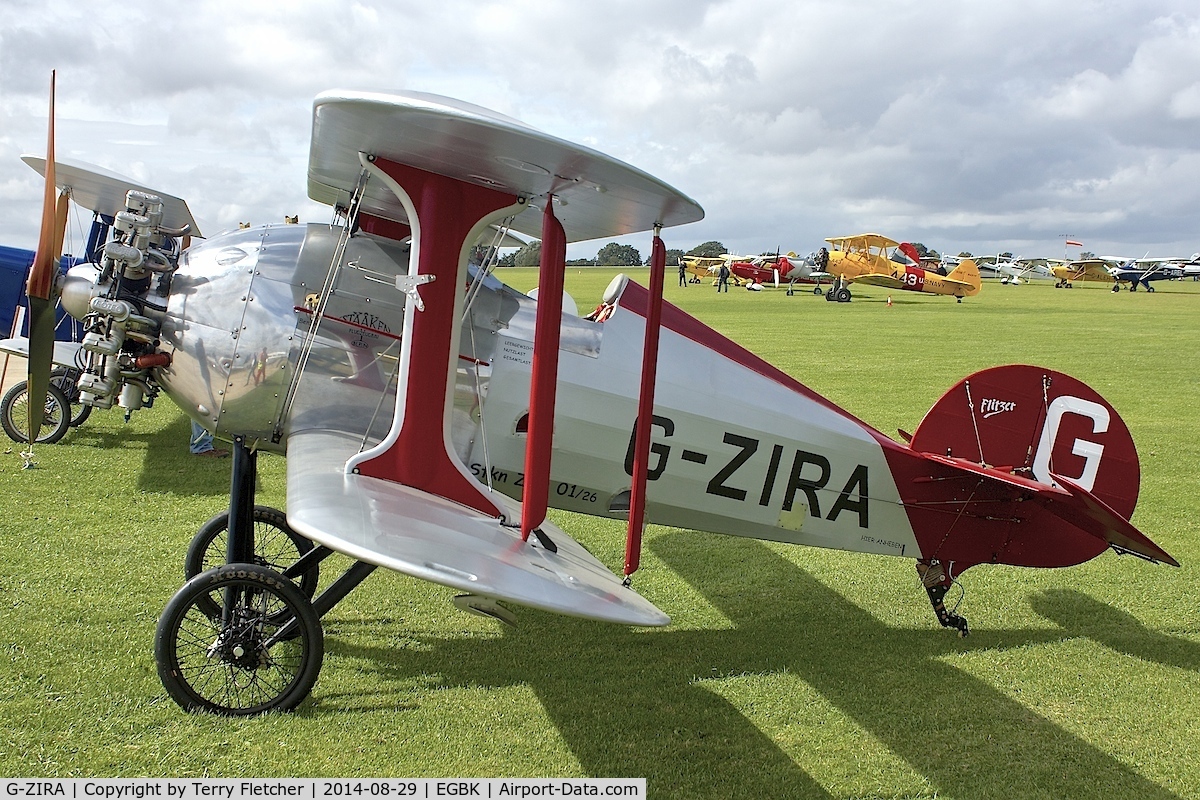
[[611, 255], [623, 255]]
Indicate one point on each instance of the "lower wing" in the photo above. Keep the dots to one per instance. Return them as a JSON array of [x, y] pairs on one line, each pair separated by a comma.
[[417, 533]]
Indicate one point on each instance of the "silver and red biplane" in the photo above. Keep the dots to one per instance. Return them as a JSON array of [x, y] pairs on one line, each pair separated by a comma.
[[430, 414]]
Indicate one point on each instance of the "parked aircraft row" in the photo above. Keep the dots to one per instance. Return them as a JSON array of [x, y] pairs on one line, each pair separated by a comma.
[[867, 258], [873, 259]]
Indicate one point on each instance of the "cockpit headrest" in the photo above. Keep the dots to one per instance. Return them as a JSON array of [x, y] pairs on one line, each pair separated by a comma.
[[613, 293]]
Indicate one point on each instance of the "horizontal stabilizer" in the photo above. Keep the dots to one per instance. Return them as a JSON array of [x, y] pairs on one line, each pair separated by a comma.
[[997, 475], [1088, 512], [1073, 504], [425, 536]]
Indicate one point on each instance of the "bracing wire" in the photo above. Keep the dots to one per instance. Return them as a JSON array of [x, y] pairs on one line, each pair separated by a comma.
[[974, 422], [339, 253]]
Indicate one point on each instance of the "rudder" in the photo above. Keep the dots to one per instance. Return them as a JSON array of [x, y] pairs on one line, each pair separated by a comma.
[[1039, 423], [967, 272]]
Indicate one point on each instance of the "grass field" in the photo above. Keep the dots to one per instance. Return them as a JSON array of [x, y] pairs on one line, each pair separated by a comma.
[[787, 672]]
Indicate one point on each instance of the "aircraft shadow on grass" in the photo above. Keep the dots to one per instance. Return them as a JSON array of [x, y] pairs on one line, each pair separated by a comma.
[[1117, 630], [647, 713], [169, 468], [165, 466]]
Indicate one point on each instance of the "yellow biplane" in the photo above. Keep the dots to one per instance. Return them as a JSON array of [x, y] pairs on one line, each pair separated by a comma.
[[861, 254], [1095, 270], [879, 261], [702, 267]]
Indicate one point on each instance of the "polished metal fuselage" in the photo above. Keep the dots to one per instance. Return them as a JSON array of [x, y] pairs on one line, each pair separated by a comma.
[[734, 451], [241, 309]]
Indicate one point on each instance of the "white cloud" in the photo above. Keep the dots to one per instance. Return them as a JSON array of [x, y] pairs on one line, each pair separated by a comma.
[[959, 124]]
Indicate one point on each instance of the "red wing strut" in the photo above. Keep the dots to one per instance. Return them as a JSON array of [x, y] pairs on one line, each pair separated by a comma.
[[641, 455], [544, 381]]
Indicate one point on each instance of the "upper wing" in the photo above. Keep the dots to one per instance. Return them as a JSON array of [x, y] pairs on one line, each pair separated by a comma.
[[864, 240], [425, 536], [102, 191], [599, 195]]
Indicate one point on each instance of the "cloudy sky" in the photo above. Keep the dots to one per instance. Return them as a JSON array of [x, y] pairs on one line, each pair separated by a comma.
[[979, 126]]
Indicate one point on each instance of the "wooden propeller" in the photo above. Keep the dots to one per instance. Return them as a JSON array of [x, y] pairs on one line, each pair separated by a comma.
[[40, 287]]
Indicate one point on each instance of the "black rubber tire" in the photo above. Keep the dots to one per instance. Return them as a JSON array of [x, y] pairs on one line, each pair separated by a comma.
[[14, 414], [818, 291], [65, 378], [843, 295], [234, 666], [276, 546]]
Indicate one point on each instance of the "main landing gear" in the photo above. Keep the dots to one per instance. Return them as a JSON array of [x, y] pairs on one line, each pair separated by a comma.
[[243, 636], [839, 293], [937, 582], [817, 290]]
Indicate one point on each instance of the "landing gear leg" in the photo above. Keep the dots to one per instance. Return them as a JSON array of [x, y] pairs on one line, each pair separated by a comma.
[[937, 583], [241, 638], [240, 542]]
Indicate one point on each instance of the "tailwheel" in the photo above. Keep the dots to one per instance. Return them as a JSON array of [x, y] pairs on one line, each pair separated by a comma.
[[276, 546], [260, 652], [937, 582]]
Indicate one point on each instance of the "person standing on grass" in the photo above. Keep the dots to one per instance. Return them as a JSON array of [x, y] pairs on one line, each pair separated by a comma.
[[682, 274], [723, 278], [202, 443]]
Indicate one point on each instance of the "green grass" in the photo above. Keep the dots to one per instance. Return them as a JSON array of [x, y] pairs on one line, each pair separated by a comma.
[[787, 672]]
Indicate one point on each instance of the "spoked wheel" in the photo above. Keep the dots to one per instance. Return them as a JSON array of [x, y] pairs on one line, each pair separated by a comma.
[[14, 414], [65, 379], [261, 651], [276, 546]]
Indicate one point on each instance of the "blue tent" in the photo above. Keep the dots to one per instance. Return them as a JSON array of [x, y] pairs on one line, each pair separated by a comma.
[[14, 268]]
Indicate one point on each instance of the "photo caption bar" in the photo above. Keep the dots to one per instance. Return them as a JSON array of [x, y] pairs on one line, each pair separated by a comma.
[[320, 788]]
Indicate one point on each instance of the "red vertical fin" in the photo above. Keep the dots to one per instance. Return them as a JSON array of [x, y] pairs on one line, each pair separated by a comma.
[[544, 381], [641, 453]]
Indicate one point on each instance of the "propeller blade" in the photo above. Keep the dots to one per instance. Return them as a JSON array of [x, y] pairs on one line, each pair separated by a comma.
[[41, 274], [39, 289]]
